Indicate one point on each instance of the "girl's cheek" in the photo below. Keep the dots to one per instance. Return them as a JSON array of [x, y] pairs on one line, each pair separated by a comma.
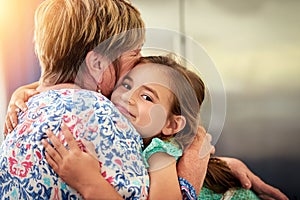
[[156, 120]]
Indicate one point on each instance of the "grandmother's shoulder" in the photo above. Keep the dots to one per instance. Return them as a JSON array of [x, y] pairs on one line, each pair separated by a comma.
[[84, 98]]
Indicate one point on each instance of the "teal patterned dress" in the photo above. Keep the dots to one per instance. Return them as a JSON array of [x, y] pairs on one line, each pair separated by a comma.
[[232, 194], [172, 148]]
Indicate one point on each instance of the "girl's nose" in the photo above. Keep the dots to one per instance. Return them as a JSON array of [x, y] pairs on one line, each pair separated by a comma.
[[128, 97], [131, 101]]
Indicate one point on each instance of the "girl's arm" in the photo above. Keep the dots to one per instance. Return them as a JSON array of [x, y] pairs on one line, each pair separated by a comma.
[[17, 102], [163, 177], [90, 183], [78, 169]]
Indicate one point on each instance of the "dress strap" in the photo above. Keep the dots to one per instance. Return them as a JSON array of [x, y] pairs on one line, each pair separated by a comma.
[[170, 147]]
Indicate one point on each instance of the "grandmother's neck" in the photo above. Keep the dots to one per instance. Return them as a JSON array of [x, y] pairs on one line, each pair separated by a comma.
[[44, 87]]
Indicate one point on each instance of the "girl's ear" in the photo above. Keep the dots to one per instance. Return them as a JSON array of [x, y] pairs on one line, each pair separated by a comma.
[[175, 124], [96, 64]]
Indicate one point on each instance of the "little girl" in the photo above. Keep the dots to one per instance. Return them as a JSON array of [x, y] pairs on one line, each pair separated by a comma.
[[161, 99]]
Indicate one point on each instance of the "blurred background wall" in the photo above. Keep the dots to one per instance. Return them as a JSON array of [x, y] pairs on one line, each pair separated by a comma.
[[18, 64], [256, 48]]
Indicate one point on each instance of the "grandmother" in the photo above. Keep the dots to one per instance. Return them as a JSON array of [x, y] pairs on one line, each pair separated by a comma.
[[73, 67]]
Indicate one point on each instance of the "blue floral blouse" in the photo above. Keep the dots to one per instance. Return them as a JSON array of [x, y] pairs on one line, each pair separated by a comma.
[[24, 171]]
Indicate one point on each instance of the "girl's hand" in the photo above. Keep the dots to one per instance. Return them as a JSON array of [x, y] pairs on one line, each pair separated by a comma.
[[74, 166], [17, 103], [250, 180], [78, 169]]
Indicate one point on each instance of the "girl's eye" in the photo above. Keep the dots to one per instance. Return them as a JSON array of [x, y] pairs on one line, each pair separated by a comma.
[[127, 86], [147, 98]]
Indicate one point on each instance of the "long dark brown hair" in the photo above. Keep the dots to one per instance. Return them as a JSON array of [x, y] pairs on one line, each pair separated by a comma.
[[219, 177]]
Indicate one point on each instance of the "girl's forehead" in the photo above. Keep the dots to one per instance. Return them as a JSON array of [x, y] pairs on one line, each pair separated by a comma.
[[150, 69], [145, 73]]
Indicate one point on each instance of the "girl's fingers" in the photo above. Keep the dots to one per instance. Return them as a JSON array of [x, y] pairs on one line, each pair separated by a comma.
[[21, 104], [8, 125], [58, 146], [11, 119], [5, 130], [69, 138], [51, 162], [13, 116], [52, 156]]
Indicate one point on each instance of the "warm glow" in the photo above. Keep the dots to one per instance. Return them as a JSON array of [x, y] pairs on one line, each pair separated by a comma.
[[3, 17], [16, 22], [2, 84], [2, 97], [8, 14]]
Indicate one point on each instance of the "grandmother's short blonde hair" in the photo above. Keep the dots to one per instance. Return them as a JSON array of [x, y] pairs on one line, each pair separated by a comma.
[[66, 30]]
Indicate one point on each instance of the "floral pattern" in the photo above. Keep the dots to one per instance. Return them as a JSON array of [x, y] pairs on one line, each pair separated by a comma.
[[24, 171]]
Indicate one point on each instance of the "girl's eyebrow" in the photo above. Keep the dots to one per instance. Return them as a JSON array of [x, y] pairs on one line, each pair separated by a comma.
[[144, 86], [127, 78], [151, 90]]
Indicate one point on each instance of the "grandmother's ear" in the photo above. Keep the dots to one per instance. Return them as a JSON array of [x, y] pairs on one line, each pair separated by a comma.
[[173, 125], [95, 62]]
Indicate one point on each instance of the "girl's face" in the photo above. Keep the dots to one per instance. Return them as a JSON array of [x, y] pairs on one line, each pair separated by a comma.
[[144, 97]]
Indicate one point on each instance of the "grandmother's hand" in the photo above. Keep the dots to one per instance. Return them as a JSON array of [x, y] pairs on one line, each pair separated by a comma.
[[249, 180], [17, 103], [192, 166]]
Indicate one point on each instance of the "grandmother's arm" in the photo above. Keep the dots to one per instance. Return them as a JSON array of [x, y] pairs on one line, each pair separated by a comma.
[[251, 181], [191, 166]]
